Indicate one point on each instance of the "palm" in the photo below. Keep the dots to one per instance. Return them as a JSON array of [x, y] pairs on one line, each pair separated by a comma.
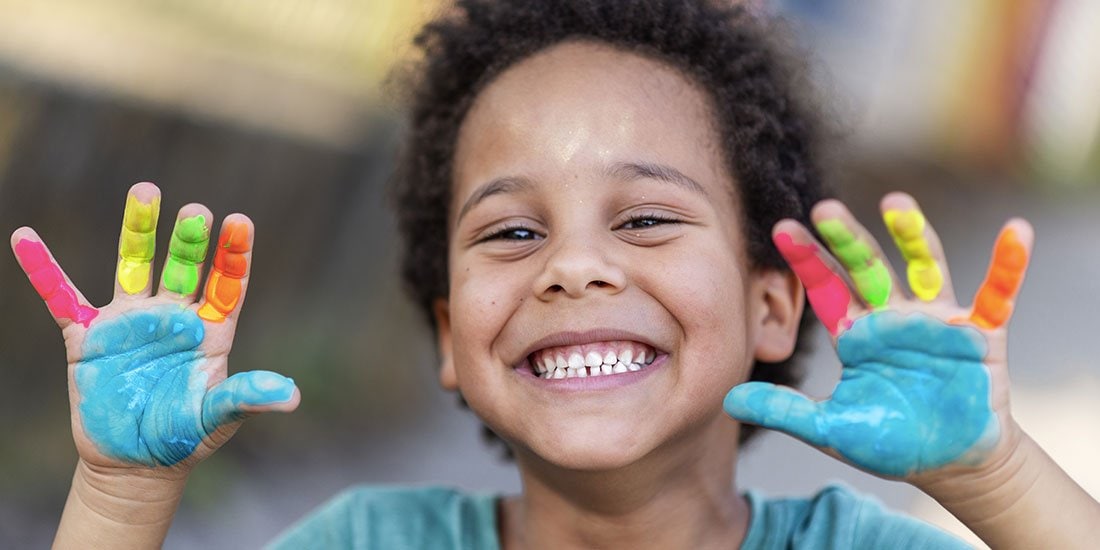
[[923, 386], [147, 374]]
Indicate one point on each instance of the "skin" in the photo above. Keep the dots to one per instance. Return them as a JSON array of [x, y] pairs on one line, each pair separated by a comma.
[[575, 251], [600, 473], [149, 391]]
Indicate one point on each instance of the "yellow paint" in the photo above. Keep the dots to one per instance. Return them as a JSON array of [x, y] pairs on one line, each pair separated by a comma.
[[137, 243], [924, 274]]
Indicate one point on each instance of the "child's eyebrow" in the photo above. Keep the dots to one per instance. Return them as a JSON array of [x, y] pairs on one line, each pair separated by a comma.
[[507, 184], [623, 171], [630, 171]]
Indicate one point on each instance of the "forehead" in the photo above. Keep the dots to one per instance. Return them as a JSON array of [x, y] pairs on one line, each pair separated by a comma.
[[581, 106]]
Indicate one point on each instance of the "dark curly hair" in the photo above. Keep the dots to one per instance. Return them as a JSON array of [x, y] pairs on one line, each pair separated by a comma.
[[767, 137]]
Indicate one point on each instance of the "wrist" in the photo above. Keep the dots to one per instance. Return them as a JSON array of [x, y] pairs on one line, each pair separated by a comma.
[[1018, 498], [119, 508]]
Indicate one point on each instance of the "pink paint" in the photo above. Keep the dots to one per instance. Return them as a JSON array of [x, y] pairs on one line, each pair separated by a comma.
[[50, 283], [828, 293]]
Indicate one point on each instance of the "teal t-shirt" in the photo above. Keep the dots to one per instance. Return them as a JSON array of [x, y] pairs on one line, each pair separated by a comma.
[[396, 518]]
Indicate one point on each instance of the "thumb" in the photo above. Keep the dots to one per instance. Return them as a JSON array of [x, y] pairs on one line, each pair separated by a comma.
[[778, 408], [246, 394]]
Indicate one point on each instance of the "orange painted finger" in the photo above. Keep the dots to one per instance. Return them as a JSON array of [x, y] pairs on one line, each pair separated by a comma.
[[997, 296], [225, 286]]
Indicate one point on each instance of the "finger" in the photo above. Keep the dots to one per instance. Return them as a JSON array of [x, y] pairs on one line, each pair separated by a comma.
[[138, 241], [996, 297], [926, 268], [827, 292], [778, 408], [65, 302], [856, 250], [186, 253], [228, 280], [246, 394]]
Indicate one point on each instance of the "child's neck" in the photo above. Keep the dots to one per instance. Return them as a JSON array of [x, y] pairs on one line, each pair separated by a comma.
[[679, 496]]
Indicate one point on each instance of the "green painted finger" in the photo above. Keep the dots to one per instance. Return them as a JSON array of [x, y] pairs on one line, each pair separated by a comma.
[[870, 275], [186, 251], [137, 243]]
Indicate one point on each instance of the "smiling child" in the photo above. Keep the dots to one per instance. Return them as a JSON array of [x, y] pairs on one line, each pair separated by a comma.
[[597, 199]]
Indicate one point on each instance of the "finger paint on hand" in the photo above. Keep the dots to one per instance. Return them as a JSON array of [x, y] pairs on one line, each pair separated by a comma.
[[232, 400], [924, 274], [914, 396], [186, 251], [48, 280], [828, 293], [141, 386], [870, 275], [137, 243], [223, 290], [994, 301]]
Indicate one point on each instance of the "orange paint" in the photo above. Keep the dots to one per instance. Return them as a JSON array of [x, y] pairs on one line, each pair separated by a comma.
[[223, 290], [996, 297]]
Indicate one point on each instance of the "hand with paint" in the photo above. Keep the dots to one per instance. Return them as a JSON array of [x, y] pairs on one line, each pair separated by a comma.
[[148, 386], [925, 382]]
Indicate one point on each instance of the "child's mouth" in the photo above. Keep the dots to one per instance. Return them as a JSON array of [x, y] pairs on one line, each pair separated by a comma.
[[595, 359]]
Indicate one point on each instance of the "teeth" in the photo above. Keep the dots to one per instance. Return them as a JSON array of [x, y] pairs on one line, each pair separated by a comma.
[[626, 356], [576, 361], [563, 364], [592, 359]]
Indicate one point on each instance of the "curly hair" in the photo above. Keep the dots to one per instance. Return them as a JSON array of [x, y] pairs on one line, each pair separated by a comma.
[[766, 133]]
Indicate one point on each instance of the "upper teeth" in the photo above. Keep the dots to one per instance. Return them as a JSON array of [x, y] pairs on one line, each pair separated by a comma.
[[592, 360]]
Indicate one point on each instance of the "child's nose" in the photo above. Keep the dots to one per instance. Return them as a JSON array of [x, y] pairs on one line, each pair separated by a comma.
[[576, 267]]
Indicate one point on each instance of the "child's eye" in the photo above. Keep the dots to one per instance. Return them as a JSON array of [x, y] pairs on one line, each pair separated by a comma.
[[644, 221], [512, 234]]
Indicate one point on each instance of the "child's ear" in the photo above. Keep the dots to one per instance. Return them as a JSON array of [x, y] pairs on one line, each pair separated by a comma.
[[779, 299], [441, 309]]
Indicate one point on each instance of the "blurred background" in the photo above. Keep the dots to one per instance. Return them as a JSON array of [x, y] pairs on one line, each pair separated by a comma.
[[981, 109]]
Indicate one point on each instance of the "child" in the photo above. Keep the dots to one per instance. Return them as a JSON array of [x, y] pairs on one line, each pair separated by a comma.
[[589, 195]]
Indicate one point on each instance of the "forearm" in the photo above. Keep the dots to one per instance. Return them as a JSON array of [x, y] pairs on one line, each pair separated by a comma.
[[1026, 501], [105, 510]]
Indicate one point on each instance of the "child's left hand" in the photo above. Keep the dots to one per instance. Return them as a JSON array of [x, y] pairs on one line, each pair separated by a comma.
[[925, 380]]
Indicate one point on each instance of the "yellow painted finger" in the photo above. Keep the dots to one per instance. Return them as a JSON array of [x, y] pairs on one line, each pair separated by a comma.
[[137, 243], [923, 272], [997, 295]]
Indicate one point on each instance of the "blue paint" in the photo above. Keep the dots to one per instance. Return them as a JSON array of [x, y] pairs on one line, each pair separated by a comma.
[[913, 396], [143, 393]]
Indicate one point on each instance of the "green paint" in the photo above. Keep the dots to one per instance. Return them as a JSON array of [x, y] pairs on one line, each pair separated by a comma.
[[866, 269], [186, 250]]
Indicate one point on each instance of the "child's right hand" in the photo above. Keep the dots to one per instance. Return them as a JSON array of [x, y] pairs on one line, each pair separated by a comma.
[[147, 373]]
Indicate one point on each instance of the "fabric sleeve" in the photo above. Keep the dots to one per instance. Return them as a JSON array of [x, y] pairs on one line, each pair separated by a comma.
[[837, 518]]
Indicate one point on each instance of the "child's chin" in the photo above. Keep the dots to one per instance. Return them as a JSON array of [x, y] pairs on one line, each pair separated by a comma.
[[590, 453]]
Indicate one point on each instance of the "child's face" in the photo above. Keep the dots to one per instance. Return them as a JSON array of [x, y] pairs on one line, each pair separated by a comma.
[[593, 212]]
